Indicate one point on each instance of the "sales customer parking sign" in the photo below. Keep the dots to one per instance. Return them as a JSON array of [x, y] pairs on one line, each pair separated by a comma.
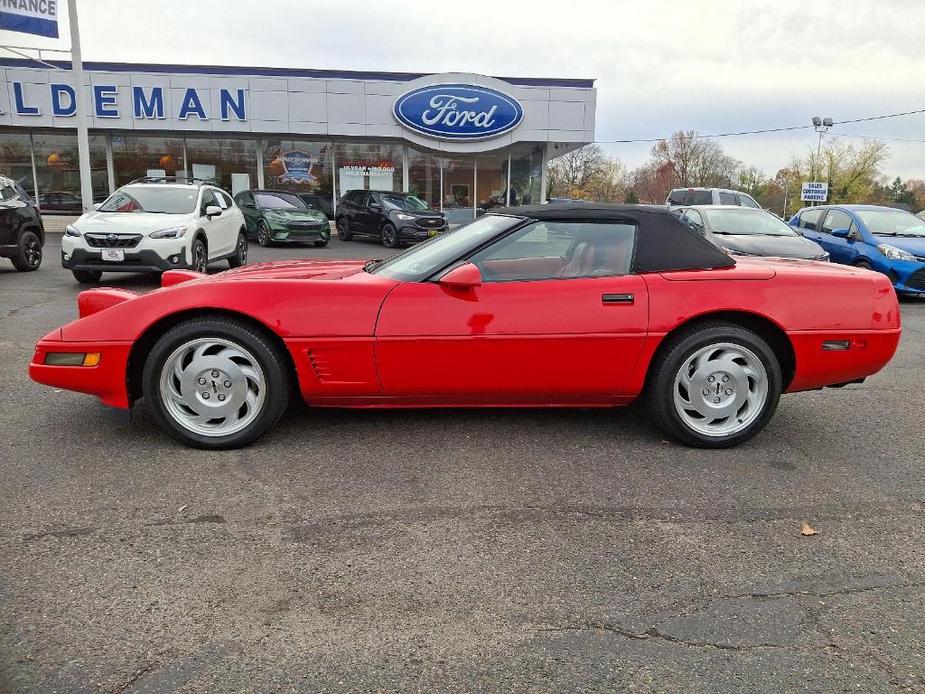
[[38, 17], [814, 191]]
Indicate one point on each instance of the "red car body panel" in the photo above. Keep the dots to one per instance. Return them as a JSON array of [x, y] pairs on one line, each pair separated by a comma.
[[362, 340]]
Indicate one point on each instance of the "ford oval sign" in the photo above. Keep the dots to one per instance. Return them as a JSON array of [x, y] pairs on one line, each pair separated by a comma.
[[458, 112]]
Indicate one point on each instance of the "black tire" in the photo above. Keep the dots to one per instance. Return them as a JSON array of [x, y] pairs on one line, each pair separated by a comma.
[[390, 236], [263, 234], [239, 259], [321, 243], [864, 265], [269, 355], [670, 359], [199, 260], [87, 276], [28, 255], [342, 224]]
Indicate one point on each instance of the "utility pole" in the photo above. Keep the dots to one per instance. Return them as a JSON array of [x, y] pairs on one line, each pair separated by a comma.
[[83, 135], [821, 126]]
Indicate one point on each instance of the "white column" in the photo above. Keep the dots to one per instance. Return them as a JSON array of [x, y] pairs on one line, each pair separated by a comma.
[[475, 182], [259, 145], [442, 160], [510, 150], [405, 180], [35, 174], [543, 178], [83, 114], [110, 166], [333, 179]]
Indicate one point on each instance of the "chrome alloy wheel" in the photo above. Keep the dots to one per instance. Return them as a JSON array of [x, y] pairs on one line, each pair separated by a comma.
[[212, 387], [720, 389], [242, 249]]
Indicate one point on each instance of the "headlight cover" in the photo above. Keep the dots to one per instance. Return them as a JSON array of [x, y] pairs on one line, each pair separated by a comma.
[[405, 217], [169, 233], [894, 253], [71, 231]]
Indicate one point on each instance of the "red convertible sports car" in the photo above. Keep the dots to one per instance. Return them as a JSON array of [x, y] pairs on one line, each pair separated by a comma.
[[566, 305]]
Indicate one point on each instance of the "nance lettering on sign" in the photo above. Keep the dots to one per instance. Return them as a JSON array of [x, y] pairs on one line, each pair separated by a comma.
[[445, 108]]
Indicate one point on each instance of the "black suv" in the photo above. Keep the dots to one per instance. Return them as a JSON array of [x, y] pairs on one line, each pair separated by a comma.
[[22, 233], [392, 217]]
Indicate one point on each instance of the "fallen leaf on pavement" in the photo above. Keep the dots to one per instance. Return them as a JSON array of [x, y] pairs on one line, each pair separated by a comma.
[[807, 529]]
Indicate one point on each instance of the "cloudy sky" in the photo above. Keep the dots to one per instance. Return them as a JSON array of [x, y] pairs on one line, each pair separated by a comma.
[[660, 65]]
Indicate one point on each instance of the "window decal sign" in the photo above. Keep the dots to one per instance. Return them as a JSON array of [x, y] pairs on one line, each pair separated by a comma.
[[297, 167], [458, 112], [39, 17]]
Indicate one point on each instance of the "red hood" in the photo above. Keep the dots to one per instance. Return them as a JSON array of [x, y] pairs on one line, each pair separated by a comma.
[[295, 269]]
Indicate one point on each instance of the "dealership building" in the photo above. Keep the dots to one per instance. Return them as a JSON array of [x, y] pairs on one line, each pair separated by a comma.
[[460, 141]]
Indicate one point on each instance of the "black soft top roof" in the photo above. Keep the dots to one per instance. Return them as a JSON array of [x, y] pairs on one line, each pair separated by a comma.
[[663, 243]]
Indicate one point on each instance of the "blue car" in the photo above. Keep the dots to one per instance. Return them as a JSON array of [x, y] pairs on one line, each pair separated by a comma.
[[884, 239]]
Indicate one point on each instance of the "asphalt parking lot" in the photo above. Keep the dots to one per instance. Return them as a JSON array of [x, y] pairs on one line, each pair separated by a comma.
[[456, 550]]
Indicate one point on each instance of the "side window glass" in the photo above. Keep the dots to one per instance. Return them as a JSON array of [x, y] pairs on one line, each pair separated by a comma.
[[835, 219], [728, 199], [810, 219], [693, 218], [699, 197], [7, 193], [559, 250], [207, 199], [676, 197], [747, 201]]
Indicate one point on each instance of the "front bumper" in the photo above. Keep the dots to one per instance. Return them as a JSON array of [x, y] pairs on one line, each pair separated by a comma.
[[416, 233], [135, 261], [106, 380], [907, 276], [280, 234]]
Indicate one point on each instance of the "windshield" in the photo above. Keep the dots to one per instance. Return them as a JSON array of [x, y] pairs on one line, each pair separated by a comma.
[[746, 221], [892, 222], [404, 202], [421, 261], [156, 198], [279, 201]]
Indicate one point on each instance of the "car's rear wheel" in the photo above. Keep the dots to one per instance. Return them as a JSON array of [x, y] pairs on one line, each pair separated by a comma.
[[239, 259], [28, 255], [263, 234], [87, 276], [343, 229], [216, 383], [200, 256], [715, 386], [390, 236]]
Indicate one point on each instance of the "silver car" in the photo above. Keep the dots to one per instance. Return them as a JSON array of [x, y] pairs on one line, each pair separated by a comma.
[[710, 196]]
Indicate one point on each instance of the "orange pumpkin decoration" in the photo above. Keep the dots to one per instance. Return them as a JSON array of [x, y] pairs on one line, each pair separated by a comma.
[[56, 161], [169, 164], [276, 167]]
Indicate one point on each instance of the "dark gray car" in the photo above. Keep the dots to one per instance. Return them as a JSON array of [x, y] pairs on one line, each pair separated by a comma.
[[749, 231]]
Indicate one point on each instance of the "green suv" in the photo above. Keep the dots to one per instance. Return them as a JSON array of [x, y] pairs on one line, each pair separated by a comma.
[[275, 216]]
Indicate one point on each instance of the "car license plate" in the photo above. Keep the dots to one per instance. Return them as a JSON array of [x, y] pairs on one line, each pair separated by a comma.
[[115, 255], [432, 232]]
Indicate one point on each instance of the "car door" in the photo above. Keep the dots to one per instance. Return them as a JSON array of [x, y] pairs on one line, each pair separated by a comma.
[[350, 205], [809, 225], [248, 208], [842, 250], [557, 318], [229, 222], [218, 244]]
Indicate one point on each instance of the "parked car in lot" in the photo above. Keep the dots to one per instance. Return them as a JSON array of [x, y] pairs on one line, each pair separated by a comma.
[[710, 196], [564, 305], [749, 231], [322, 203], [60, 202], [391, 217], [153, 225], [22, 234], [275, 216], [877, 238]]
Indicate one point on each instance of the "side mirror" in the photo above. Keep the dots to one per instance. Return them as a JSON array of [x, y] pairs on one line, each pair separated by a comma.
[[213, 211], [841, 232], [462, 278]]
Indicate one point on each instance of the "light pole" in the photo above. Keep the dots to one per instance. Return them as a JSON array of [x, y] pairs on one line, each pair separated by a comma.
[[821, 126]]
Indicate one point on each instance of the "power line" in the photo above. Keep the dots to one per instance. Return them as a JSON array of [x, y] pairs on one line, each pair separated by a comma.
[[771, 130]]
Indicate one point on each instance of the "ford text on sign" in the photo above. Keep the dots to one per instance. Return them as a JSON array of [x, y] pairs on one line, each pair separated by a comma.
[[814, 192], [458, 112], [38, 17]]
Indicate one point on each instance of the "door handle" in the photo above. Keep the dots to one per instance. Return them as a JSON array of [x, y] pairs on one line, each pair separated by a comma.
[[617, 298]]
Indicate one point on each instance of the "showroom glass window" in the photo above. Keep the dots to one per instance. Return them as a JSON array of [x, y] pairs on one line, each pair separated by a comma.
[[491, 179], [298, 166], [16, 159], [424, 176], [458, 187], [57, 168], [368, 166], [139, 156], [526, 173], [231, 163]]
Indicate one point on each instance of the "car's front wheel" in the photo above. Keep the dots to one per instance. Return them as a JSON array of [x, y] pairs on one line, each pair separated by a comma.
[[390, 236], [216, 382], [715, 386], [200, 256], [263, 234], [28, 255], [239, 259]]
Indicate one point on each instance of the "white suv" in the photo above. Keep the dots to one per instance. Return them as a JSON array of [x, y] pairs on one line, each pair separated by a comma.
[[156, 224], [710, 196]]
